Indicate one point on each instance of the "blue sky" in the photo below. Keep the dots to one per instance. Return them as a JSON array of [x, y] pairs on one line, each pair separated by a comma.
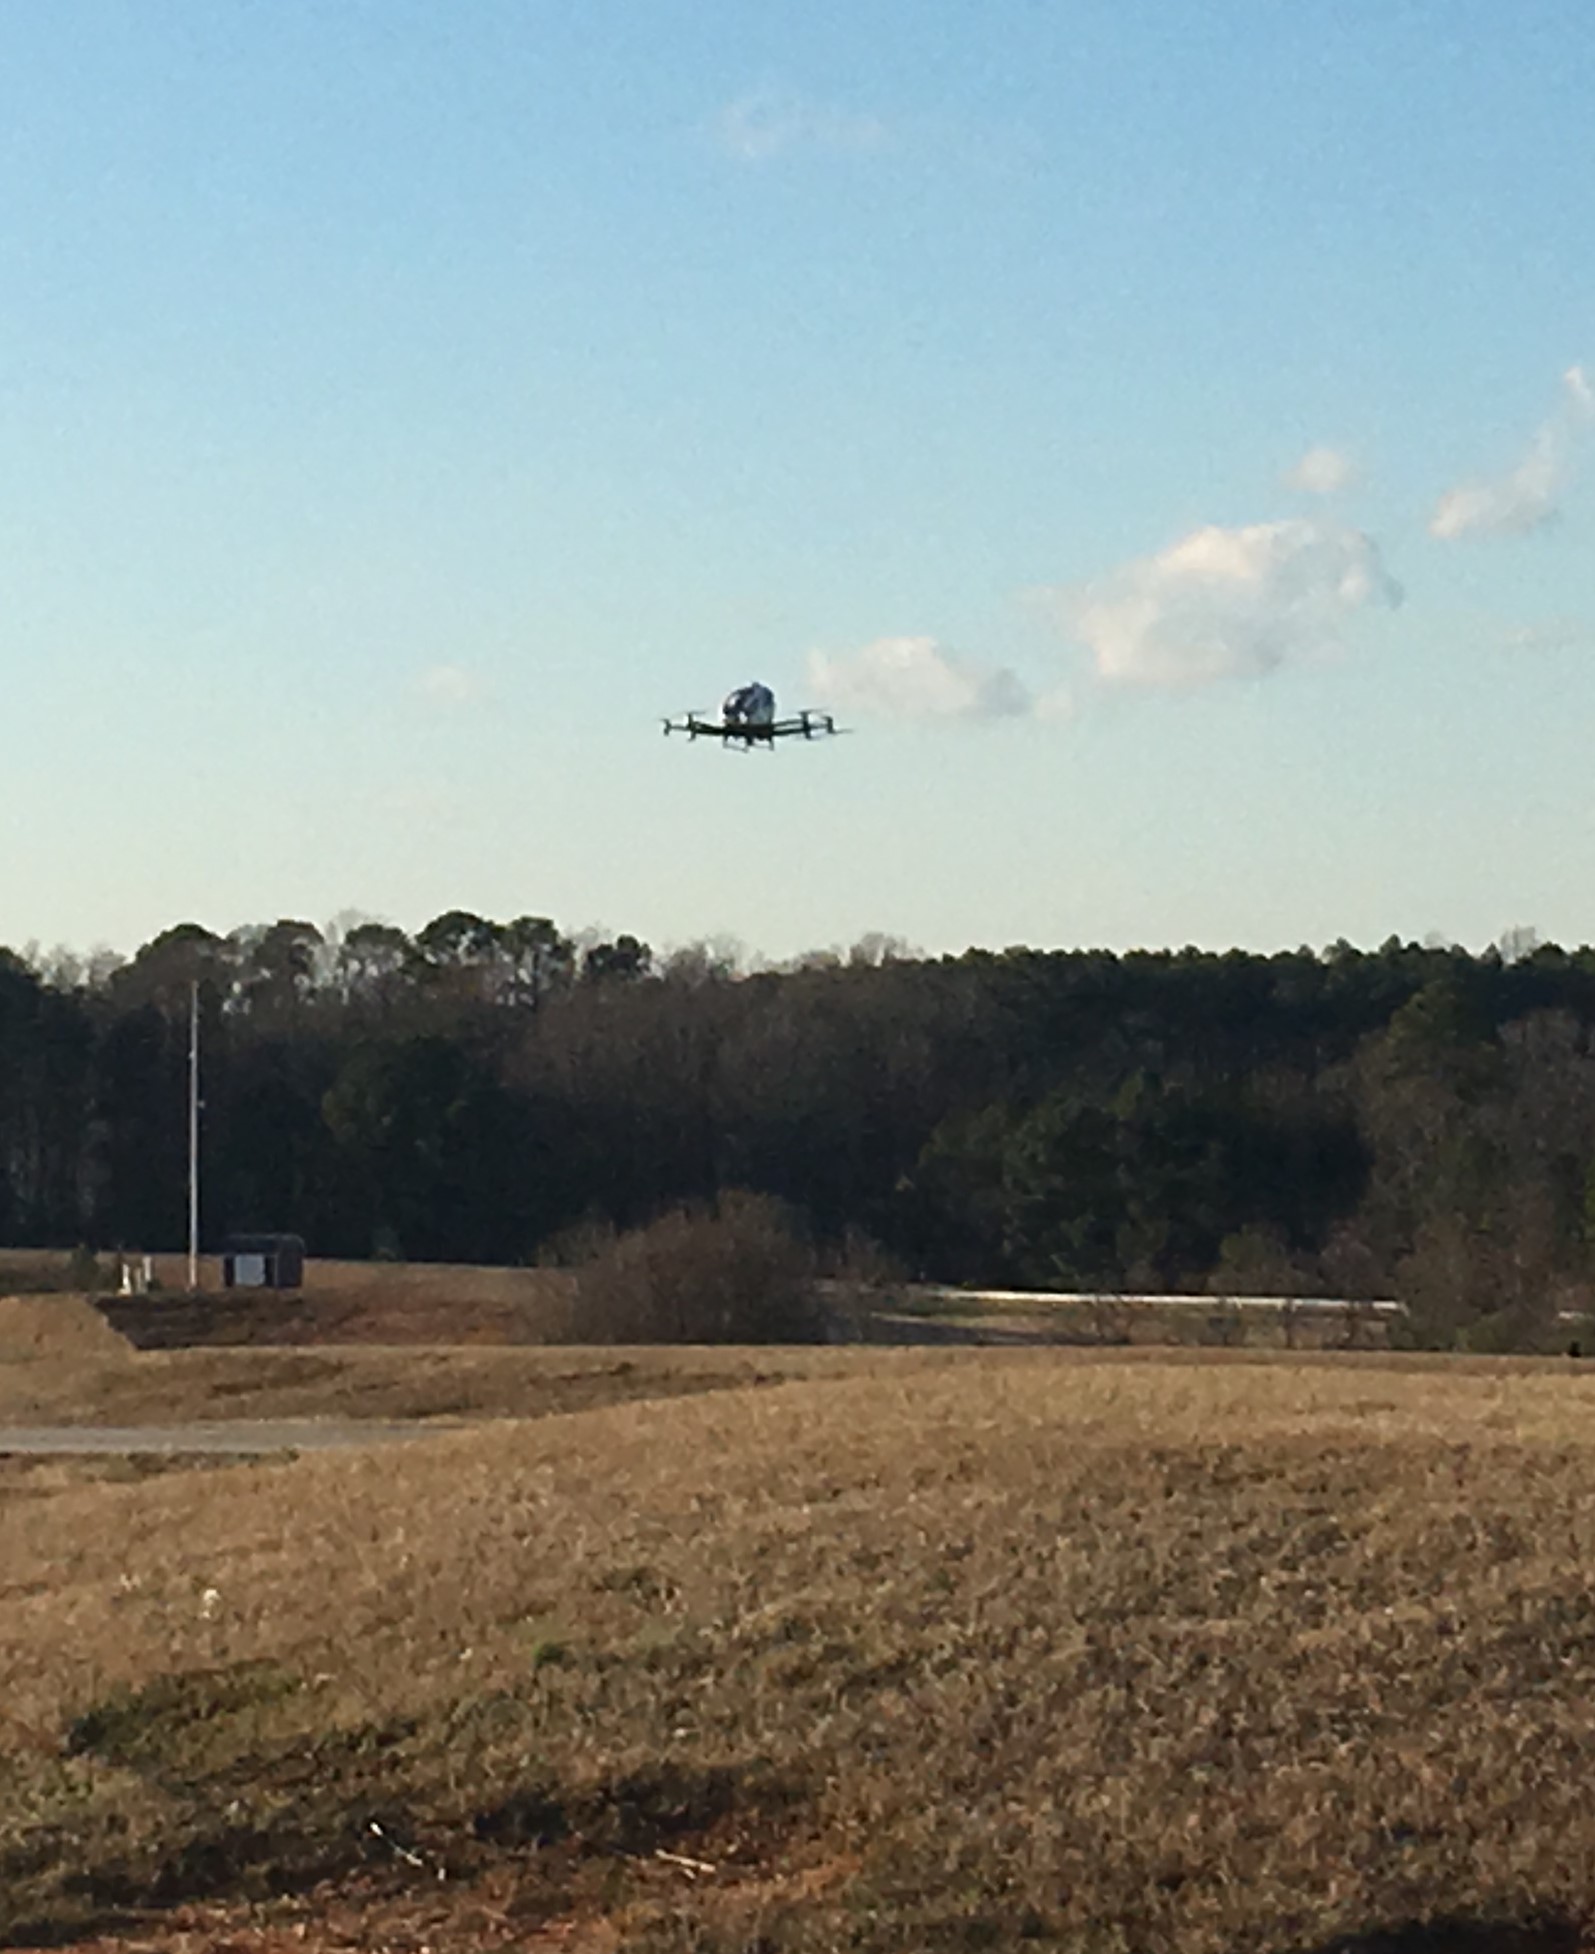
[[1163, 434]]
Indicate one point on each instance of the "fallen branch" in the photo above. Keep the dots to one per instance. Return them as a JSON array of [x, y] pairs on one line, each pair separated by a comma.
[[403, 1851], [693, 1868]]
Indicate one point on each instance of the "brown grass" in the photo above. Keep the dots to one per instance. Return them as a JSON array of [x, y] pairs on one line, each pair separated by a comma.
[[60, 1363], [979, 1652], [54, 1329]]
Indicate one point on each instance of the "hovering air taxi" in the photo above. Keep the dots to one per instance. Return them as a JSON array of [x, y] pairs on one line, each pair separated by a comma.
[[747, 719]]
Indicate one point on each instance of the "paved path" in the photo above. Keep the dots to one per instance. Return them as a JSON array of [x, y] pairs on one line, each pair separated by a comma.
[[237, 1438]]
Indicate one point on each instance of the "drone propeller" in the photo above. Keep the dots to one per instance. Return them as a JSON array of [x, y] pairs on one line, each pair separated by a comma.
[[742, 736]]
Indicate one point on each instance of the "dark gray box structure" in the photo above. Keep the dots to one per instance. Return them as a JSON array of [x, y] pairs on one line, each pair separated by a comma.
[[263, 1262]]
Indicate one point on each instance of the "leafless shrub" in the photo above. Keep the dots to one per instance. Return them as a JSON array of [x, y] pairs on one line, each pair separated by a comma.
[[861, 1260], [739, 1272], [861, 1278], [583, 1241]]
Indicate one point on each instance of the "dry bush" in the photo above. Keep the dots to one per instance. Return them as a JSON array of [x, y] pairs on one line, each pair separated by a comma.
[[583, 1241], [862, 1282], [739, 1272], [860, 1261], [1466, 1288]]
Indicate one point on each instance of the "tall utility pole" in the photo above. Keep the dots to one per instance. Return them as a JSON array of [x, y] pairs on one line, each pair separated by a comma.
[[193, 1138]]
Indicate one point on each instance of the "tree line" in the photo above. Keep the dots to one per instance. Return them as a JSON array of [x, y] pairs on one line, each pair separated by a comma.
[[1415, 1121]]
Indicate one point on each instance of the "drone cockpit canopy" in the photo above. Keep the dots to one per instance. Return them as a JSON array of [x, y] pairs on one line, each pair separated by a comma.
[[750, 705]]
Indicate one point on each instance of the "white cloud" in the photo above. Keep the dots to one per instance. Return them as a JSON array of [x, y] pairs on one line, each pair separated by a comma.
[[449, 685], [766, 122], [1322, 471], [1227, 603], [918, 678], [1525, 498], [1529, 495]]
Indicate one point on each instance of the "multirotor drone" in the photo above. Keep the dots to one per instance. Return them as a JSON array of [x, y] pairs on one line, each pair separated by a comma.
[[747, 719]]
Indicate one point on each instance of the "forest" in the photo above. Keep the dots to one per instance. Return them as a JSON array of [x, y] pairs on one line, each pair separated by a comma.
[[1412, 1121]]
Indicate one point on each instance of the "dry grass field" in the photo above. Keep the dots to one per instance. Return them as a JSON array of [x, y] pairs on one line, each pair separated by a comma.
[[62, 1363], [920, 1651]]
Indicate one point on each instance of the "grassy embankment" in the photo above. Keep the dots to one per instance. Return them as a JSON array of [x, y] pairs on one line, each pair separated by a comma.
[[62, 1363], [985, 1651]]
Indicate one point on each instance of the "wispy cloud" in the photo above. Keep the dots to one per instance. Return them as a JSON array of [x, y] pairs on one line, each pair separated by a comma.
[[1550, 634], [1322, 471], [1227, 603], [450, 685], [765, 123], [1528, 495], [918, 678]]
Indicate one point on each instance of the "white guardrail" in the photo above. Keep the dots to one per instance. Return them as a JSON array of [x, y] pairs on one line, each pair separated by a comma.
[[978, 1299]]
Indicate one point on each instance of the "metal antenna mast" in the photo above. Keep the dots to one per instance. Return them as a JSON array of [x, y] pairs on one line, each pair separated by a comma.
[[193, 1138]]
